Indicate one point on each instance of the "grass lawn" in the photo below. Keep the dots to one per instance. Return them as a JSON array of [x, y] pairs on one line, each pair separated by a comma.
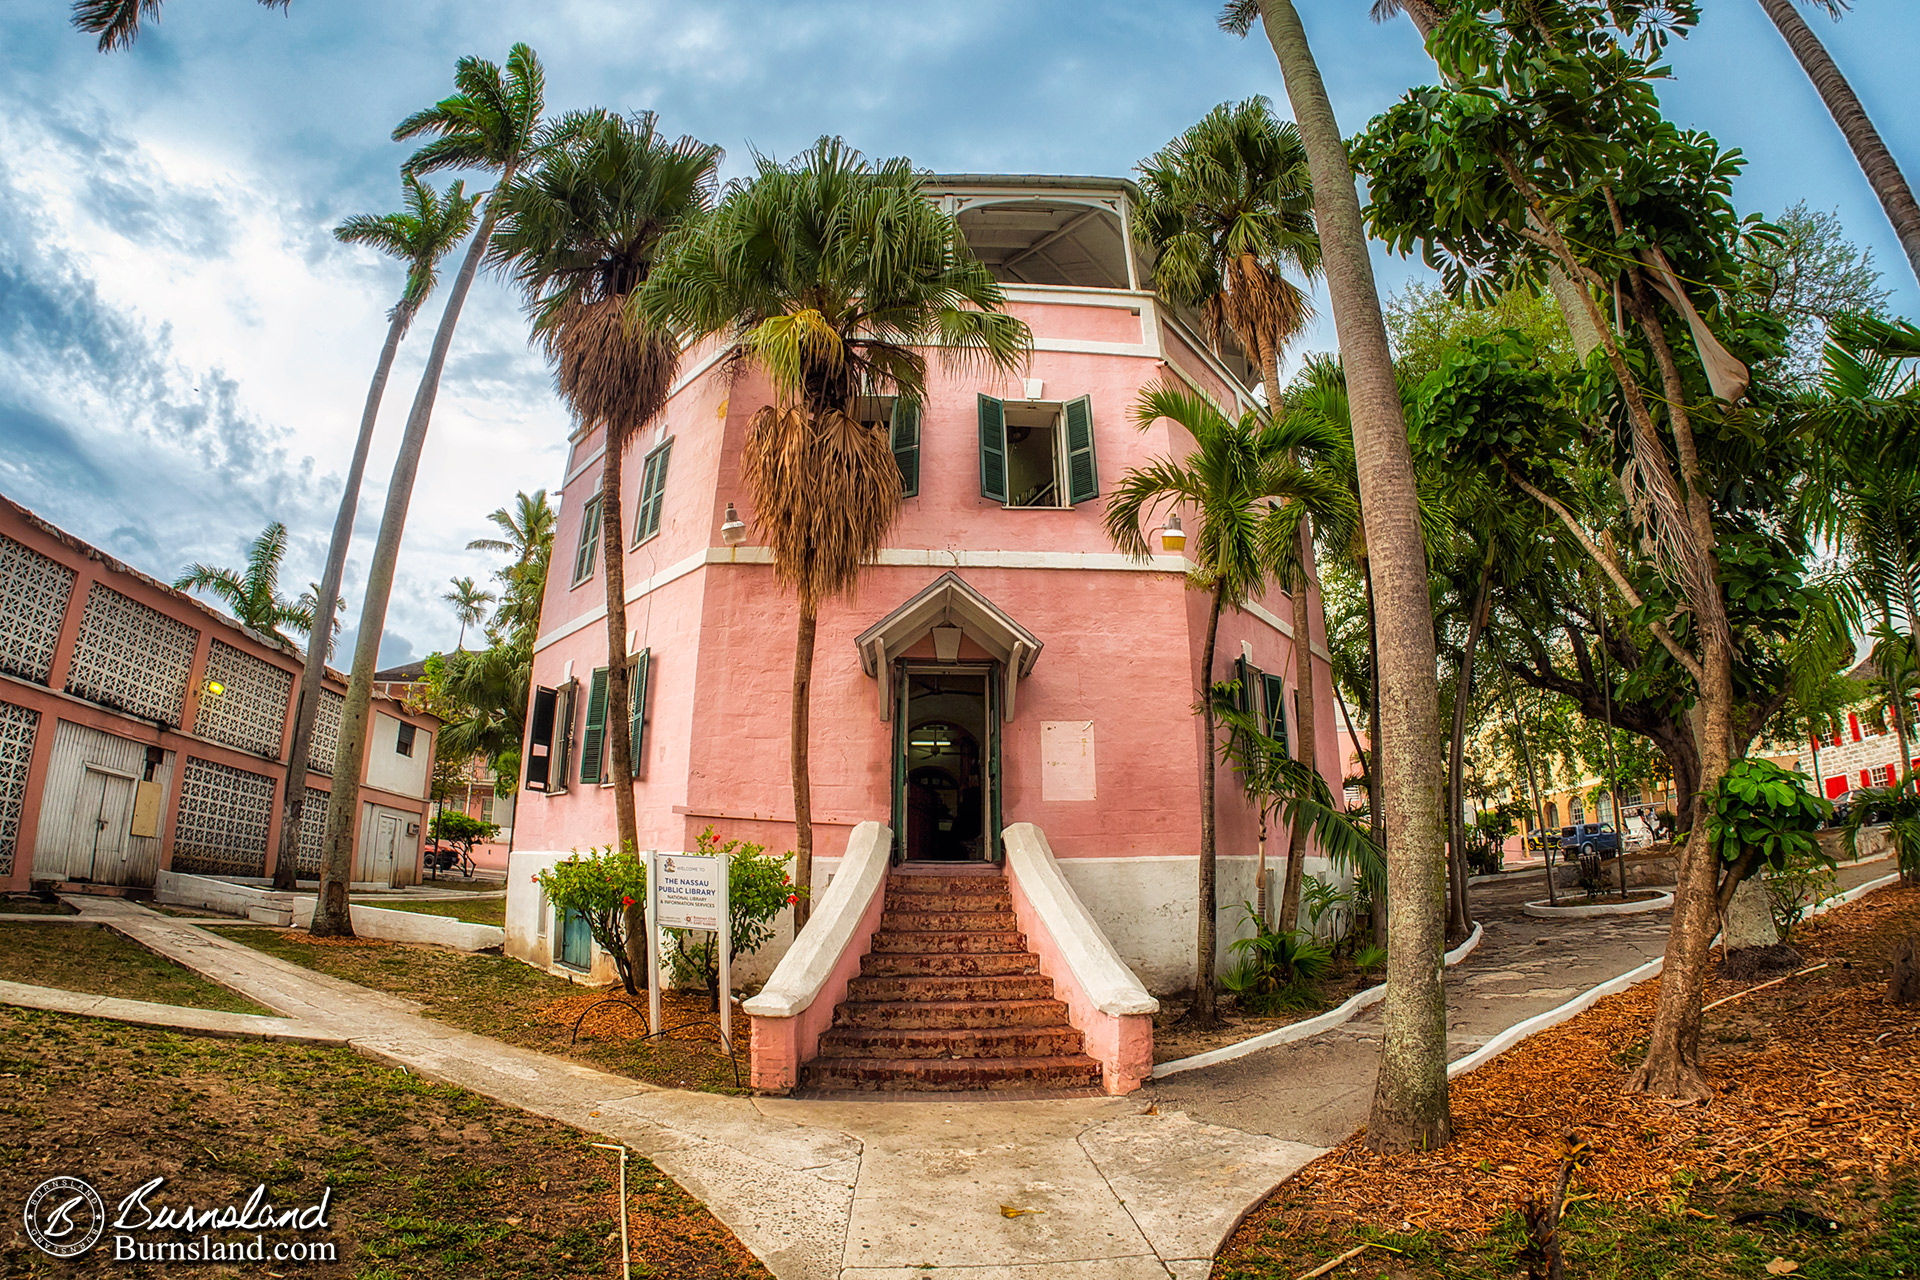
[[473, 910], [492, 995], [21, 904], [1814, 1081], [100, 961], [428, 1180]]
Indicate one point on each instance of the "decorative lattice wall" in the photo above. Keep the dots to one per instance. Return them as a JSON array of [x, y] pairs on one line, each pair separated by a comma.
[[224, 815], [33, 599], [326, 733], [131, 657], [17, 727], [251, 712], [313, 831]]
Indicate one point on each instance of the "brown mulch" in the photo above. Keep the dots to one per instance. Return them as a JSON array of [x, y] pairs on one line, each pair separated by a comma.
[[688, 1014], [1816, 1076]]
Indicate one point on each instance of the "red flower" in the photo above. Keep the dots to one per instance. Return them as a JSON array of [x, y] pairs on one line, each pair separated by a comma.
[[536, 879], [792, 898], [625, 901]]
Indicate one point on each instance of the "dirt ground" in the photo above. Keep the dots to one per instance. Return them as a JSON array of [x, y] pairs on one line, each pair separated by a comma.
[[1815, 1080], [427, 1180]]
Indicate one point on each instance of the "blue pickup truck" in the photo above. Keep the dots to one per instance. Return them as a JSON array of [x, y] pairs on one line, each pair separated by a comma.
[[1587, 839]]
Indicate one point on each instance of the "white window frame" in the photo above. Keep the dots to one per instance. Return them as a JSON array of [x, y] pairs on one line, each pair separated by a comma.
[[587, 547]]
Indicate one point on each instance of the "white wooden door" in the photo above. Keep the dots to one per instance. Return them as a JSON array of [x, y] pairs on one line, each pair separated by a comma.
[[386, 834], [97, 839]]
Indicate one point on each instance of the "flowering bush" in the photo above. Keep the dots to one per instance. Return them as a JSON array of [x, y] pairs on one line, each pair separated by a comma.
[[758, 886], [607, 888]]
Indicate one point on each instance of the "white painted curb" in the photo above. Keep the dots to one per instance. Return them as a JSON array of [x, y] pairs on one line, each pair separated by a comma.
[[1302, 1030], [1613, 986], [1548, 911]]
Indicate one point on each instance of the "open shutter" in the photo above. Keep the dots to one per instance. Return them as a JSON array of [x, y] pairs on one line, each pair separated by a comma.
[[540, 738], [637, 712], [1083, 477], [568, 695], [993, 449], [593, 742], [1246, 676], [1276, 699], [905, 437]]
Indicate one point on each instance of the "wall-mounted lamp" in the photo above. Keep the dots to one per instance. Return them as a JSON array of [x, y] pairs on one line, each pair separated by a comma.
[[946, 644], [733, 530], [213, 688], [1172, 536]]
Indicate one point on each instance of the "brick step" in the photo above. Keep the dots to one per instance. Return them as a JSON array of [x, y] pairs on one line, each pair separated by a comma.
[[970, 965], [925, 1075], [951, 1014], [947, 944], [958, 887], [923, 1044], [948, 921], [1032, 986]]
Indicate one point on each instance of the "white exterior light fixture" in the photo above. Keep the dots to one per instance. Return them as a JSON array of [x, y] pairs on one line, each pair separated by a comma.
[[1172, 536], [733, 530], [946, 644]]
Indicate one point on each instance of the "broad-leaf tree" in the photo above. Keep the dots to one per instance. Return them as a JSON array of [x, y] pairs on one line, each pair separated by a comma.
[[490, 122], [832, 275]]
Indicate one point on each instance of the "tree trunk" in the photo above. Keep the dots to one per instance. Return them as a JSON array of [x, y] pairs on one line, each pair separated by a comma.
[[802, 776], [1876, 162], [1459, 910], [1201, 1014], [1410, 1107], [320, 639], [330, 916], [619, 689], [1376, 802]]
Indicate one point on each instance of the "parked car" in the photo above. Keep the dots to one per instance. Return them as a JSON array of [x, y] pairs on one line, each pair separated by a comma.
[[1585, 839], [1873, 799], [1540, 839]]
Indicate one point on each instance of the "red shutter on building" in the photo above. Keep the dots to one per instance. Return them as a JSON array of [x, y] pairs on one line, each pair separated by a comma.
[[1854, 721], [1836, 786]]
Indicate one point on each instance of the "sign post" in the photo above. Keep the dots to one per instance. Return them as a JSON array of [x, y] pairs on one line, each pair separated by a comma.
[[653, 947], [690, 892]]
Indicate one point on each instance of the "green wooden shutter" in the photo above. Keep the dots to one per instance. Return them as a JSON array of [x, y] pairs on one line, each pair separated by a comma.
[[653, 488], [1083, 477], [589, 540], [562, 736], [637, 711], [906, 445], [593, 742], [1276, 696], [993, 449], [1245, 675]]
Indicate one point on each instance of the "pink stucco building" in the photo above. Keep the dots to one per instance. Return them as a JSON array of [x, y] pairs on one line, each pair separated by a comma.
[[1001, 664]]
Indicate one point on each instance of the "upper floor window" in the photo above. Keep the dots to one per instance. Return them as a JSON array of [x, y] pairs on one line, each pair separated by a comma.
[[653, 488], [403, 740], [589, 541], [1037, 453], [901, 423]]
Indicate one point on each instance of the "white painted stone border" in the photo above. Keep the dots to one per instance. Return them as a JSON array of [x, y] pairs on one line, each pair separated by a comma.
[[1548, 911], [1613, 986], [1302, 1030]]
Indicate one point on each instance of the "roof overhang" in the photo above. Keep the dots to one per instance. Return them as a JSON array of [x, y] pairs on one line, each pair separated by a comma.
[[948, 601]]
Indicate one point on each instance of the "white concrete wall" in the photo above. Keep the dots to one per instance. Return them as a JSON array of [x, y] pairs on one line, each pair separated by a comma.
[[387, 768], [178, 889], [409, 926]]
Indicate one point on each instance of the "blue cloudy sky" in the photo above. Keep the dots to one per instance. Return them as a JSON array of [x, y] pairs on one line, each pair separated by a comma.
[[184, 349]]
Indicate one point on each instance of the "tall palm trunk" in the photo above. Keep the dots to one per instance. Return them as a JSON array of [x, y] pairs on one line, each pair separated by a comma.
[[1410, 1107], [802, 764], [330, 916], [1459, 909], [1376, 791], [1202, 1013], [1883, 174], [313, 675]]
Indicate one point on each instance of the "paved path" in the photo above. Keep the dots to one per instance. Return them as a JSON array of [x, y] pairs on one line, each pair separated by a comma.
[[1138, 1188]]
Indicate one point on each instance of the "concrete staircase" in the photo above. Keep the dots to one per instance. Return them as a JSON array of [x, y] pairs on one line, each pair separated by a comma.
[[950, 999]]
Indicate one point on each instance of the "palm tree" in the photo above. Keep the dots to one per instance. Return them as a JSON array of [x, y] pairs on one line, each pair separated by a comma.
[[469, 605], [1237, 477], [1876, 162], [420, 236], [117, 22], [490, 122], [253, 593], [582, 231], [527, 536], [833, 275], [1410, 1107], [1227, 207]]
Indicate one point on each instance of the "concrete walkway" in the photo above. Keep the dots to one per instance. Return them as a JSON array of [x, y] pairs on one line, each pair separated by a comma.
[[1146, 1186]]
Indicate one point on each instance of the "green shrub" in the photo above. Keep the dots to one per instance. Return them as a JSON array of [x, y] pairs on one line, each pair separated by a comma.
[[758, 889], [1796, 888], [450, 826], [1759, 807], [1901, 808], [1276, 969], [1369, 957], [607, 889]]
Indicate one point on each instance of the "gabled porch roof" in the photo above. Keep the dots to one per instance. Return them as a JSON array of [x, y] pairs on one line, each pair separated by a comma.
[[948, 601]]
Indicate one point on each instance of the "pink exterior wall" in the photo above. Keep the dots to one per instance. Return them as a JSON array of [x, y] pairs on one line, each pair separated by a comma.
[[1121, 1044], [54, 704]]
